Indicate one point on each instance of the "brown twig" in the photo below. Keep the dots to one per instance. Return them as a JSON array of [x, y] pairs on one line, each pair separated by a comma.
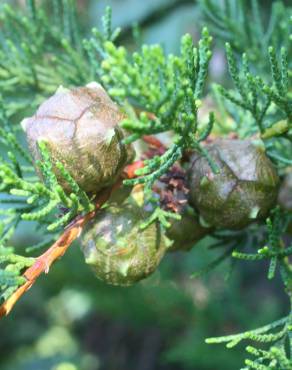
[[153, 141], [132, 168], [42, 263]]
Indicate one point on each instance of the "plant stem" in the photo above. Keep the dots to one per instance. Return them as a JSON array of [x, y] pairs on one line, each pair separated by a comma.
[[43, 263]]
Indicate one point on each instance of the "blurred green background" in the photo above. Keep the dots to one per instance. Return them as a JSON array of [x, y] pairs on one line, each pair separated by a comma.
[[69, 320]]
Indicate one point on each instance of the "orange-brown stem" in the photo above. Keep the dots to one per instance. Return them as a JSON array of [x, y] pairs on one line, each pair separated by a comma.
[[130, 170], [153, 141], [43, 262]]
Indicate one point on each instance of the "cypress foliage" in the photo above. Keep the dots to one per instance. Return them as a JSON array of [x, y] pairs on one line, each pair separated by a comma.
[[159, 93]]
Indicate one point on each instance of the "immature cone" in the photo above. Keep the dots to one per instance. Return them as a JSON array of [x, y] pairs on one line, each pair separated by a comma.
[[118, 250], [245, 189], [81, 129], [186, 232]]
